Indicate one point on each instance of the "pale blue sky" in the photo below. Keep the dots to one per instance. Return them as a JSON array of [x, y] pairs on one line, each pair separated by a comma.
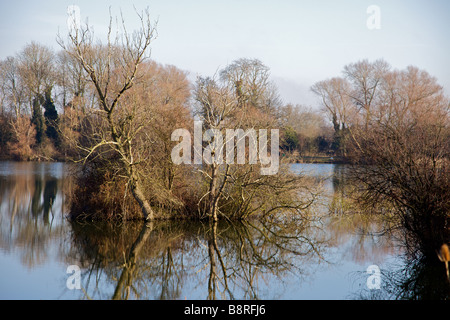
[[301, 41]]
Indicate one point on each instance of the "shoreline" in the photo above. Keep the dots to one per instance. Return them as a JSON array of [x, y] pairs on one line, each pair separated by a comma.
[[305, 159]]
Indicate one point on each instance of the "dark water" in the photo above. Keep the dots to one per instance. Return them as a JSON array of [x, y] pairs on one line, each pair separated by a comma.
[[326, 257]]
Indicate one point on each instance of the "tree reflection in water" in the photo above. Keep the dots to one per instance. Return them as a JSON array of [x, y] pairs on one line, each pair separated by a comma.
[[224, 260], [178, 260], [416, 278], [28, 194], [417, 273]]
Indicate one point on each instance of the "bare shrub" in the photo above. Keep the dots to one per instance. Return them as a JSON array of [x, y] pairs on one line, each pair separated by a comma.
[[23, 138]]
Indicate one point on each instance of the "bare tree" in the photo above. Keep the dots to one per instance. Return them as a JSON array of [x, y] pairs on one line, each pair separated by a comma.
[[399, 137], [237, 189], [311, 128], [166, 93], [407, 148], [216, 106], [251, 80], [366, 79], [112, 69], [71, 78], [36, 69], [23, 138], [335, 97], [3, 86], [12, 86]]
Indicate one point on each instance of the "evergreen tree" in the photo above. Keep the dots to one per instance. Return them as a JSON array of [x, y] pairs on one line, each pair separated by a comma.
[[51, 117], [38, 120], [290, 142]]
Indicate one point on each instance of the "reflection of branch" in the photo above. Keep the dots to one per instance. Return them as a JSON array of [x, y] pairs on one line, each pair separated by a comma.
[[232, 261], [219, 256], [125, 280], [167, 273], [297, 236]]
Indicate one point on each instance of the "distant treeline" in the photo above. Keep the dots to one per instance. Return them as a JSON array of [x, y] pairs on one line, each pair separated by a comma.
[[45, 95]]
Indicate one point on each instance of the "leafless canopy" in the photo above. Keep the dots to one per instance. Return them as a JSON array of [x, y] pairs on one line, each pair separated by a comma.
[[112, 69]]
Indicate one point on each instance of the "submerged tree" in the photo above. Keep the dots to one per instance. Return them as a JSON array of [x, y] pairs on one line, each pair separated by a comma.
[[398, 135], [407, 147], [112, 69], [241, 175]]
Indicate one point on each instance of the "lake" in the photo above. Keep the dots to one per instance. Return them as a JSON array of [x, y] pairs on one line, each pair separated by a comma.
[[43, 255]]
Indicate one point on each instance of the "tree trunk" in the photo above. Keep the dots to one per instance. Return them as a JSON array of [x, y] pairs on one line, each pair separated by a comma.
[[136, 190], [213, 197], [135, 184]]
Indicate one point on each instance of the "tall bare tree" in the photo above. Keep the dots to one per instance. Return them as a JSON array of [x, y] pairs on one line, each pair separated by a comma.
[[12, 86], [37, 70], [335, 97], [366, 78], [250, 79], [216, 106], [406, 143], [71, 78], [112, 69], [238, 188]]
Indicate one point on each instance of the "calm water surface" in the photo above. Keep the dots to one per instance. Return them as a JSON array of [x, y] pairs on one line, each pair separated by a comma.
[[322, 259]]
